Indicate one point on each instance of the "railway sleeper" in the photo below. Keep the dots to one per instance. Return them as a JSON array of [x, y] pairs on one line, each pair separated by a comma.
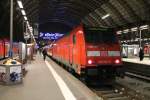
[[107, 92], [112, 95], [119, 98]]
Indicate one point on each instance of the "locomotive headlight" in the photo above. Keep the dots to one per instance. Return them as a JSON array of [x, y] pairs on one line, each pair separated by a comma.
[[117, 61], [89, 61]]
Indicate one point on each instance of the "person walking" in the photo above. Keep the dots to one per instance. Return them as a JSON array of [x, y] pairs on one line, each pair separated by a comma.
[[40, 50], [141, 54], [44, 52]]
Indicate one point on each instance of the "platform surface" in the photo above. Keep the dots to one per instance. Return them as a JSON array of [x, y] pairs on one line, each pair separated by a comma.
[[145, 61], [40, 83]]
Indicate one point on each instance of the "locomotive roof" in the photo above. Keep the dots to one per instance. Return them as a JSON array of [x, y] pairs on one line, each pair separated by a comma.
[[98, 28]]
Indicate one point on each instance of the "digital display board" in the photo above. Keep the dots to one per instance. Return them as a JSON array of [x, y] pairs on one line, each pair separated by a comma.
[[50, 35]]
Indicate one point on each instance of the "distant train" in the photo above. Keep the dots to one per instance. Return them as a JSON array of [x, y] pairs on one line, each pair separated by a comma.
[[89, 51], [5, 46]]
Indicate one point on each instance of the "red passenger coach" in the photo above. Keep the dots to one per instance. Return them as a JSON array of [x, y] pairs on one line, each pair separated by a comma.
[[5, 47], [89, 51], [1, 49]]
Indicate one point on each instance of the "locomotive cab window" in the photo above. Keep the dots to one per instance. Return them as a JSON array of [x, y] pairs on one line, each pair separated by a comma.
[[97, 35], [74, 39]]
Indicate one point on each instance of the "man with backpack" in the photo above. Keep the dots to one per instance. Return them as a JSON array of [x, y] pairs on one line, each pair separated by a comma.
[[44, 52]]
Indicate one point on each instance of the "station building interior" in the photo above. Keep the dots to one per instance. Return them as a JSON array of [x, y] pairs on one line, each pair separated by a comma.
[[74, 49]]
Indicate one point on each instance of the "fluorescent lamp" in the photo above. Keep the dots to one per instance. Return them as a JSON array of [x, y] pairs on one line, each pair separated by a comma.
[[144, 27], [25, 18], [31, 29], [23, 12], [126, 31], [27, 23], [119, 32], [134, 29], [20, 4], [105, 16]]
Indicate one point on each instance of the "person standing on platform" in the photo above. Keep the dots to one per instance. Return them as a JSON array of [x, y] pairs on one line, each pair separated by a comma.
[[44, 52], [141, 54]]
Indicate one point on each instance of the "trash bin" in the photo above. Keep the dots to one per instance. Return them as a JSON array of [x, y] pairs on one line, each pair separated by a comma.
[[10, 72]]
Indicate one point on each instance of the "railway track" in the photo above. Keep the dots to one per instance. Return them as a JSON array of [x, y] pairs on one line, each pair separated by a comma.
[[117, 92], [139, 69], [110, 94], [141, 77]]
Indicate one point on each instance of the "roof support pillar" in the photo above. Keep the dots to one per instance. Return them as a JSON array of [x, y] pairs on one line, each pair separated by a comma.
[[11, 29]]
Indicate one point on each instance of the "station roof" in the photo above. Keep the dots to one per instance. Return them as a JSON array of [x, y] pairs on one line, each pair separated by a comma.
[[90, 12], [122, 13]]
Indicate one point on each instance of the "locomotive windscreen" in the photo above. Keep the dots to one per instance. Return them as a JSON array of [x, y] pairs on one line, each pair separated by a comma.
[[98, 35]]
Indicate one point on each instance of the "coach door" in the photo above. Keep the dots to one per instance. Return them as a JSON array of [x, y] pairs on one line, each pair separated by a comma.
[[79, 46], [73, 47]]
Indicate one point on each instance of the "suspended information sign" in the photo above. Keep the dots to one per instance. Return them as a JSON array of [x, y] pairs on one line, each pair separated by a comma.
[[50, 36]]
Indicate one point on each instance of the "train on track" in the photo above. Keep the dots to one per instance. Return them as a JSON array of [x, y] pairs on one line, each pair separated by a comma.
[[89, 51]]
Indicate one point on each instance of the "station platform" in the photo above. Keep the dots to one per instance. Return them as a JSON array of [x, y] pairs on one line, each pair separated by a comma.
[[145, 61], [45, 80]]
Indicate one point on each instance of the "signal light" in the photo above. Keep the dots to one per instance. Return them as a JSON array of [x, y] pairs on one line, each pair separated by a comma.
[[80, 31], [89, 61], [117, 61]]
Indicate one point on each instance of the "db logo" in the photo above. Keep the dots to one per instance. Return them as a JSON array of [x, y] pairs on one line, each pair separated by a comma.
[[103, 48], [41, 34]]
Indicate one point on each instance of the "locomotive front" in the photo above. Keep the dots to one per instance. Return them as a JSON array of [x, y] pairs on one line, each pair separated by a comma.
[[102, 52]]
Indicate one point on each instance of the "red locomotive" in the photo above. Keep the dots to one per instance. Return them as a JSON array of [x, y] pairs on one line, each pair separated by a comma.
[[89, 51]]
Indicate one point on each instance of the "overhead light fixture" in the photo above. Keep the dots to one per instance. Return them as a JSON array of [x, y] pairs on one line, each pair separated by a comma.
[[105, 16], [126, 31], [23, 12], [134, 29], [119, 32], [27, 23], [20, 4], [136, 39], [25, 18], [31, 29], [144, 27]]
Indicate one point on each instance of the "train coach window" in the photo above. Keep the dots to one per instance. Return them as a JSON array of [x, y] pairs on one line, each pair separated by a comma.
[[74, 39], [100, 36]]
